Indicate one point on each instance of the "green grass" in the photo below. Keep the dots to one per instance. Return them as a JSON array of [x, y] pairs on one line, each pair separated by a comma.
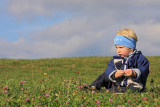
[[60, 87]]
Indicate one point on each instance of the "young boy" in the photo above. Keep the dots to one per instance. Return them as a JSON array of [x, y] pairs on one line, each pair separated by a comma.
[[129, 69]]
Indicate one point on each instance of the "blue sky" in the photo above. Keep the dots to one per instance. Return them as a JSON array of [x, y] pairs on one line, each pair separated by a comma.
[[33, 29]]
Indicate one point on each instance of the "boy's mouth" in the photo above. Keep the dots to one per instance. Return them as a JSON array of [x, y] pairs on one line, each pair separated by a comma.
[[121, 55]]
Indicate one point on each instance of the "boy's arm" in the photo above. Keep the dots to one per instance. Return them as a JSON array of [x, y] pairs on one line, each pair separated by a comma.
[[111, 70], [142, 69]]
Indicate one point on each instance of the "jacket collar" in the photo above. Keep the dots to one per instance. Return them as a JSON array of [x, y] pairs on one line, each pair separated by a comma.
[[130, 55]]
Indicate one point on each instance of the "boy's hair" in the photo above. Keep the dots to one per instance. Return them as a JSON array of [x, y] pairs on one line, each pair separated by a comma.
[[128, 33]]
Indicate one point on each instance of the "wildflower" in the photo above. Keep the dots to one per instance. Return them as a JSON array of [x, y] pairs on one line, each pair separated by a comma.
[[93, 87], [110, 100], [5, 87], [47, 95], [93, 92], [67, 80], [45, 73], [98, 105], [24, 92], [145, 98], [22, 89], [67, 102], [107, 91], [77, 72], [129, 101], [84, 84], [79, 77], [82, 97], [145, 102], [76, 86], [97, 102], [27, 100], [56, 94], [5, 92], [74, 93], [82, 105], [80, 87], [77, 82], [56, 100], [39, 97], [33, 100], [22, 82]]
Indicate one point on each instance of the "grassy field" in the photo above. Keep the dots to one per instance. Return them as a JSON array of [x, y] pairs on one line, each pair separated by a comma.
[[58, 82]]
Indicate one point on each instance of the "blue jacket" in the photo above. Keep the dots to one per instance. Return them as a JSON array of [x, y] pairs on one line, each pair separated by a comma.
[[135, 61]]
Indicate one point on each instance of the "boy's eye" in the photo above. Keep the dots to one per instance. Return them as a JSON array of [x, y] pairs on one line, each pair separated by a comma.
[[119, 47]]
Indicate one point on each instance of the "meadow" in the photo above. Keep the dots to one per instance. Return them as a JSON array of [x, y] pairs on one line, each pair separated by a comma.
[[58, 82]]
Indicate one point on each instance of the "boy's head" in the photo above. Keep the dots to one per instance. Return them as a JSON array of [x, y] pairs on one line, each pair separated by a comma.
[[126, 37], [127, 32], [125, 42]]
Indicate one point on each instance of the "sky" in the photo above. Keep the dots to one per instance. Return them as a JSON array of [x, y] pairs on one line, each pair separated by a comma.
[[34, 29]]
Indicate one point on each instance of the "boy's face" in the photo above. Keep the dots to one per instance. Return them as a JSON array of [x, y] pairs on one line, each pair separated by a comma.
[[123, 51]]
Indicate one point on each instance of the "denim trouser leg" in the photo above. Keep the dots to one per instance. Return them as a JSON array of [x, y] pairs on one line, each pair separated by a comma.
[[101, 81]]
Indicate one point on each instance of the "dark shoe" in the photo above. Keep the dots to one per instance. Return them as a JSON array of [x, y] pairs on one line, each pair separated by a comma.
[[85, 88]]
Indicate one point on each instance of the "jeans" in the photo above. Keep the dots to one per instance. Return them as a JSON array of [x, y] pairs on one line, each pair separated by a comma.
[[102, 81]]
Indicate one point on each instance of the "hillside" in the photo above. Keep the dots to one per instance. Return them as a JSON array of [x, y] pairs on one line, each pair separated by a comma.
[[56, 78]]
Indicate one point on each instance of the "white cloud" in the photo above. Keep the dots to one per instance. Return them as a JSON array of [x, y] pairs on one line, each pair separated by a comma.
[[148, 37], [66, 38], [59, 40], [88, 25], [30, 9]]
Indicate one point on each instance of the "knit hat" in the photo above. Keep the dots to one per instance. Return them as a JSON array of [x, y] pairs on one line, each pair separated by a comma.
[[125, 41]]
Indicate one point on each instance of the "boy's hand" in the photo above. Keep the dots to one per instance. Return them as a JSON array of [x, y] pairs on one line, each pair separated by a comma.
[[119, 73], [129, 73]]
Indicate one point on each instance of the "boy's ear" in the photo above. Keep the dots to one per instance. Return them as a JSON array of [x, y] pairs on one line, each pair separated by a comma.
[[132, 50]]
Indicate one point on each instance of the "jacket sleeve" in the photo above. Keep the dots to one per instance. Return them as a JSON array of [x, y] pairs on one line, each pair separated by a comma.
[[110, 71], [143, 67]]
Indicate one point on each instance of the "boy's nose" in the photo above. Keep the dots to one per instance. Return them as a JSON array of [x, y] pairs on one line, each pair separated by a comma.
[[118, 50]]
